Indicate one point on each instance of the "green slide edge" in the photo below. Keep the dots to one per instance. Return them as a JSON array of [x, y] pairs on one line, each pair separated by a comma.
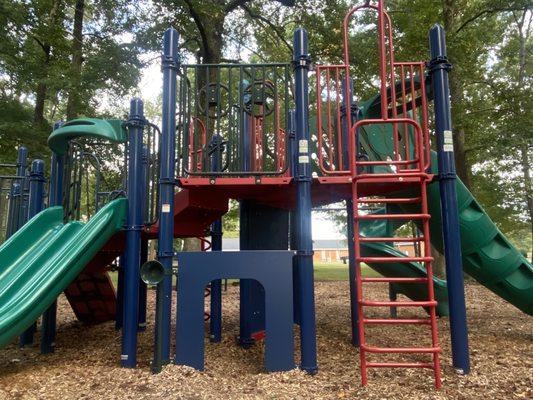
[[488, 256], [111, 130], [43, 257]]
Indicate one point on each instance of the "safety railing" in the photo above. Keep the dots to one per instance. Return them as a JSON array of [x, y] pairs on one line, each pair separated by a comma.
[[91, 180], [399, 114], [232, 119]]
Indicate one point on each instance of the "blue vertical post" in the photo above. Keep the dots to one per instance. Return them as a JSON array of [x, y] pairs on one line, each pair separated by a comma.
[[302, 178], [16, 191], [134, 227], [119, 310], [439, 68], [170, 65], [347, 92], [48, 328], [144, 243], [35, 206], [215, 322], [293, 151]]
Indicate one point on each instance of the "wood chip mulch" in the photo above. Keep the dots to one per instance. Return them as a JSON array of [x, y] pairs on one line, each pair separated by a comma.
[[85, 364]]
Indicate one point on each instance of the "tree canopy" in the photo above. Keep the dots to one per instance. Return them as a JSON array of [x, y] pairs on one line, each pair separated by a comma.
[[60, 59]]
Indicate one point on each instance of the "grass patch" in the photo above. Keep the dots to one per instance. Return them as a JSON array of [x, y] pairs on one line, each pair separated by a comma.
[[338, 271]]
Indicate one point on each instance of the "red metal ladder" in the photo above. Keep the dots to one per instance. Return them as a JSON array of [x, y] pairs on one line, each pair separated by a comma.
[[405, 111], [425, 259]]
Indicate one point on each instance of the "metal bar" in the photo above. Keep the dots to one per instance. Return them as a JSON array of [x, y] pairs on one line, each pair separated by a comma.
[[399, 365], [384, 350], [392, 216], [450, 219], [369, 303], [48, 328], [354, 312], [302, 177], [394, 280], [389, 239], [35, 206], [134, 225], [170, 63], [396, 321], [394, 259]]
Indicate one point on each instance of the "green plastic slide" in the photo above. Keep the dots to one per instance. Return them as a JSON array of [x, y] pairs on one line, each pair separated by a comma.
[[415, 291], [43, 257], [488, 256]]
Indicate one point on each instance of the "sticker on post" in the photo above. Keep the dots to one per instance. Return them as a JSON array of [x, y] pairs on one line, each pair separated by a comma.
[[448, 137], [165, 208], [303, 159], [303, 146], [448, 147]]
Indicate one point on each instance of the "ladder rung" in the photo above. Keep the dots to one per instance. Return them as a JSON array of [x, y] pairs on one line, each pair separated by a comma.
[[393, 259], [399, 200], [371, 303], [392, 321], [395, 280], [399, 365], [371, 349], [388, 162], [392, 216], [390, 239], [396, 176]]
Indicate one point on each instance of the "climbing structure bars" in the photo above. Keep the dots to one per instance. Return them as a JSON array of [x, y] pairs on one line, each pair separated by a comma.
[[402, 119]]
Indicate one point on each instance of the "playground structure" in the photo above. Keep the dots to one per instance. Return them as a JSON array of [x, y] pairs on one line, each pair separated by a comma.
[[249, 132]]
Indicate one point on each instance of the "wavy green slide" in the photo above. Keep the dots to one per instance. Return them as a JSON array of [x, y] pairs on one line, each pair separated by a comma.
[[43, 257]]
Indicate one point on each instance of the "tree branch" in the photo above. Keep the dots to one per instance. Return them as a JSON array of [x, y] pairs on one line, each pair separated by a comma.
[[274, 28], [484, 12], [233, 5], [198, 22]]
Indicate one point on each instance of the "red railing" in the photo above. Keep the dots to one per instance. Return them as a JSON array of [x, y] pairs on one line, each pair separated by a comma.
[[196, 148], [403, 107]]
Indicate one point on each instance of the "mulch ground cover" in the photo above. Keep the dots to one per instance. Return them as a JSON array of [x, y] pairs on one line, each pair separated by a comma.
[[85, 364]]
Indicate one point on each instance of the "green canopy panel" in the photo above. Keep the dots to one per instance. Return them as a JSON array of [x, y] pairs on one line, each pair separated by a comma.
[[108, 130]]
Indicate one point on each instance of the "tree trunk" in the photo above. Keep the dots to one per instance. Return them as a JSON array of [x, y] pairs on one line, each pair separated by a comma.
[[462, 166], [191, 244], [73, 103], [42, 88]]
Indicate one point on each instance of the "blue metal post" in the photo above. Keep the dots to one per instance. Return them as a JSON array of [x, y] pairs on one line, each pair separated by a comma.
[[144, 243], [48, 326], [439, 68], [13, 222], [119, 311], [215, 322], [302, 178], [35, 206], [170, 65], [347, 91], [134, 226]]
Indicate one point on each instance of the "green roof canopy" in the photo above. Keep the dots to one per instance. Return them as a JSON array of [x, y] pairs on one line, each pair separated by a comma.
[[109, 130]]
